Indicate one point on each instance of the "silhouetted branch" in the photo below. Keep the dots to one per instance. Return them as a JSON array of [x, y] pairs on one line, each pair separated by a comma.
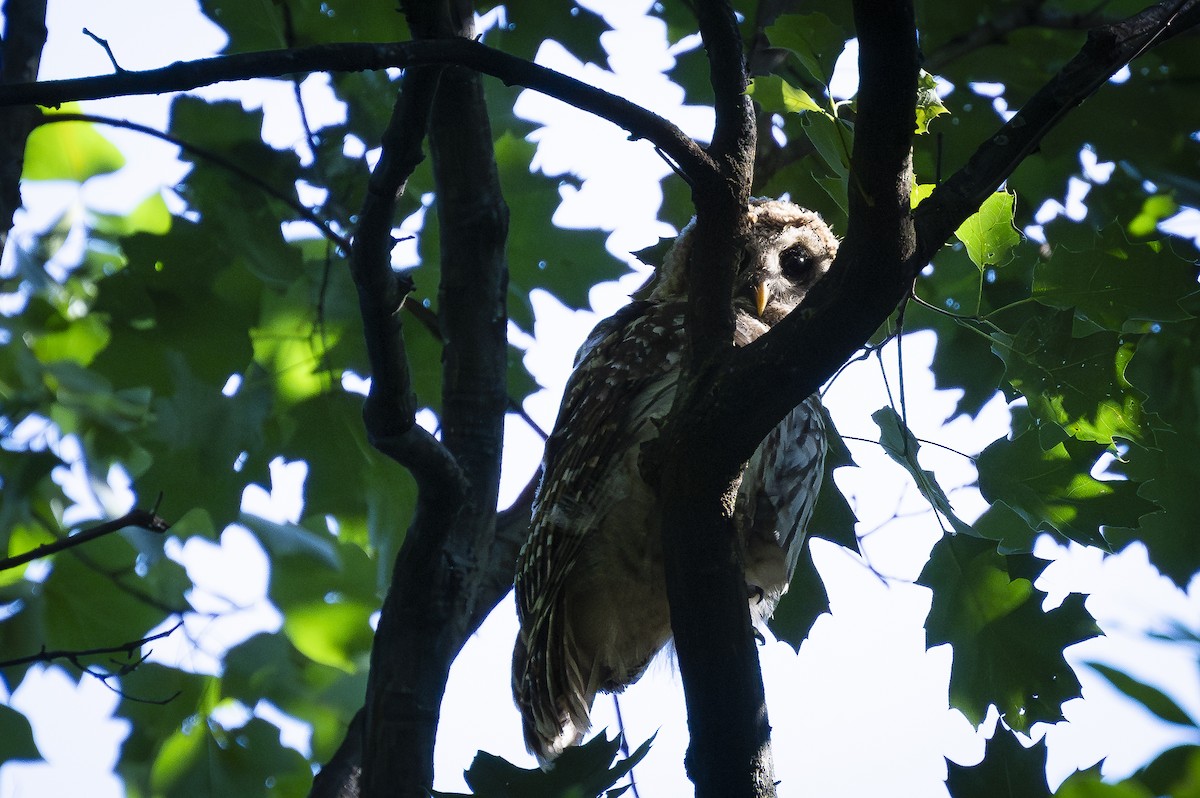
[[184, 76], [1107, 50], [139, 518], [729, 755], [76, 657], [1031, 14], [112, 59], [390, 410], [20, 55]]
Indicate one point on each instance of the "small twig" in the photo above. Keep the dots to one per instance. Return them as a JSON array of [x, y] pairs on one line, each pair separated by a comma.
[[73, 656], [677, 170], [625, 743], [918, 440], [900, 363], [108, 50], [516, 409], [865, 352], [139, 518]]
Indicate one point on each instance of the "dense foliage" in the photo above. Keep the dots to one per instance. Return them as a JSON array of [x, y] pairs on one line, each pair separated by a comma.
[[189, 350]]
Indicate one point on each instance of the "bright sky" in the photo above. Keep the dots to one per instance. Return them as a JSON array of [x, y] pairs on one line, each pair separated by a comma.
[[861, 710]]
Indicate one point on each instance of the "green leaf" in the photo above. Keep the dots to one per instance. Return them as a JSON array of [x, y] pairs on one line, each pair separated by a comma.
[[197, 442], [77, 620], [79, 341], [249, 25], [204, 760], [1109, 280], [265, 666], [16, 736], [1154, 700], [776, 95], [1167, 369], [72, 151], [804, 602], [319, 21], [1175, 772], [177, 697], [1008, 770], [581, 771], [1076, 383], [150, 216], [565, 262], [577, 28], [929, 104], [833, 141], [1012, 533], [335, 634], [1007, 651], [902, 446], [813, 38], [1171, 471], [1090, 784], [1154, 210], [1053, 489], [292, 540], [988, 233]]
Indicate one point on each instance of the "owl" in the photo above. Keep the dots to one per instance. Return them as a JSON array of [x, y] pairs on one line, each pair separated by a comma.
[[590, 585]]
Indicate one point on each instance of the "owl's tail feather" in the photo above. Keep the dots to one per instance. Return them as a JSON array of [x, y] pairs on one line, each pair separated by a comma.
[[554, 697]]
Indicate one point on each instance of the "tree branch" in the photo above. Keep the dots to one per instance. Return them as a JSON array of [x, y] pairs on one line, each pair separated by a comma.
[[729, 754], [1032, 14], [396, 708], [444, 580], [390, 409], [20, 55], [641, 124], [1108, 48], [721, 199], [139, 518], [731, 408], [74, 656]]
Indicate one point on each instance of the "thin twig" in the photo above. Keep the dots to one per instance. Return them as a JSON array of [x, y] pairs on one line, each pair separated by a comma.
[[625, 742], [140, 518], [107, 50], [73, 655], [970, 457]]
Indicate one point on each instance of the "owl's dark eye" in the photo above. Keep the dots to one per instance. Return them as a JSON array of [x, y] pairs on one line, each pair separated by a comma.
[[796, 263]]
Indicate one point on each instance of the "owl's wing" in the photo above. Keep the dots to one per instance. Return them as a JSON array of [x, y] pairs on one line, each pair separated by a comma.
[[781, 482], [624, 382]]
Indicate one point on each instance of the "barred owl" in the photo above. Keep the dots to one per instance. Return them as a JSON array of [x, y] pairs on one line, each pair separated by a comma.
[[590, 588]]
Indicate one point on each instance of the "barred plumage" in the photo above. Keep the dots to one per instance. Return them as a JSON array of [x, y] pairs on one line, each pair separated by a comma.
[[590, 589]]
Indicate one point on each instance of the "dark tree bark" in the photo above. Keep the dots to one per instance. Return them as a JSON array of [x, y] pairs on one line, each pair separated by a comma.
[[20, 55], [444, 581]]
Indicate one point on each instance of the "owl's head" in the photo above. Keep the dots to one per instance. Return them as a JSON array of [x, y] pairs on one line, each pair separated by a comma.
[[787, 251]]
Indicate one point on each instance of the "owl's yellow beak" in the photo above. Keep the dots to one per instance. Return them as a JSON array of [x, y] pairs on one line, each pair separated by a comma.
[[762, 295]]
